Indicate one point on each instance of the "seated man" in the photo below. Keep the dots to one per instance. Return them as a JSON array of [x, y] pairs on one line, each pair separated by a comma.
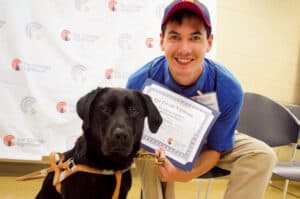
[[185, 39]]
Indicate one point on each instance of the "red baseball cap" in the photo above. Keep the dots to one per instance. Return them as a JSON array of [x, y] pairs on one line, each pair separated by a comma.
[[193, 5]]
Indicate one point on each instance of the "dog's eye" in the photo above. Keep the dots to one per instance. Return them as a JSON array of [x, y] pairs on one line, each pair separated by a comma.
[[133, 111], [105, 109]]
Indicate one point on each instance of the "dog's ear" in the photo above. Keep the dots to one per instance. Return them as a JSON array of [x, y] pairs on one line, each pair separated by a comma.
[[154, 117], [83, 107]]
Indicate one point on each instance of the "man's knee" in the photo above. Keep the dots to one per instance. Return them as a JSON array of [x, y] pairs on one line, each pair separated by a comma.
[[257, 150], [265, 157]]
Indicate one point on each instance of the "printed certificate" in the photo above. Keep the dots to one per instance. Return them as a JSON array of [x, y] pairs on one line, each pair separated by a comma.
[[185, 126]]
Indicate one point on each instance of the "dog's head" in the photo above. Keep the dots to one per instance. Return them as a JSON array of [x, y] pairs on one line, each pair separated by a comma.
[[113, 120]]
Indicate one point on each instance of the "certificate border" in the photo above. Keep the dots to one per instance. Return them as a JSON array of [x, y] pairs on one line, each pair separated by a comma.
[[182, 155]]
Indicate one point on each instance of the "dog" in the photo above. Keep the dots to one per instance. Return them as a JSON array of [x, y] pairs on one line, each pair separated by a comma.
[[113, 122]]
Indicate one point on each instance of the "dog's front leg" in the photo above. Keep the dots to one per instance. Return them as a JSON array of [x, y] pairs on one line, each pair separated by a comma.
[[48, 191]]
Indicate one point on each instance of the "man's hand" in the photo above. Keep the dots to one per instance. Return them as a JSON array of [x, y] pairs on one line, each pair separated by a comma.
[[167, 172]]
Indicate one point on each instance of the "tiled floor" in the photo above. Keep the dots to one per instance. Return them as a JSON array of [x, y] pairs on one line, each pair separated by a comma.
[[10, 189]]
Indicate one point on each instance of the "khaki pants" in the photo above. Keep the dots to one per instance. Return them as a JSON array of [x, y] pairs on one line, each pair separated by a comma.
[[250, 162]]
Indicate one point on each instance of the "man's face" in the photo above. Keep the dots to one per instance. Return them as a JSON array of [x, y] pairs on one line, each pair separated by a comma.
[[185, 46]]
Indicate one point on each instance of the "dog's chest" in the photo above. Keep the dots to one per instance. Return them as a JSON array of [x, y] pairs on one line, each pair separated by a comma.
[[85, 185]]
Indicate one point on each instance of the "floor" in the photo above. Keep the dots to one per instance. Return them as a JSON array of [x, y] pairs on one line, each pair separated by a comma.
[[10, 189]]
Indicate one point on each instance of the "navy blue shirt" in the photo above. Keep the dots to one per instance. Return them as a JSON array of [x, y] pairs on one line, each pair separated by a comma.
[[214, 77]]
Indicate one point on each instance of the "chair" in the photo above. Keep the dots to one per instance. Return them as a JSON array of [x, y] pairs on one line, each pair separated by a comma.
[[295, 109], [274, 124], [290, 170]]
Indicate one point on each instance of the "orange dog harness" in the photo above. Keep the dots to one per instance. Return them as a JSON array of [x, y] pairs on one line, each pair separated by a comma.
[[62, 170]]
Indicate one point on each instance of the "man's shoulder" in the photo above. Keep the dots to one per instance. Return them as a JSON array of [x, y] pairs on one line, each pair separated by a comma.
[[137, 79], [228, 86], [225, 77]]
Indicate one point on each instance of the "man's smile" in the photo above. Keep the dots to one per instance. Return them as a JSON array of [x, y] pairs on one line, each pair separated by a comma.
[[184, 61]]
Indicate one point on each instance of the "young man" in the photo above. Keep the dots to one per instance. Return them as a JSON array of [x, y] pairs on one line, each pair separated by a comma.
[[185, 39]]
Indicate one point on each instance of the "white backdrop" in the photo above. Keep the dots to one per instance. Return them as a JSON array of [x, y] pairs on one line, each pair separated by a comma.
[[52, 52]]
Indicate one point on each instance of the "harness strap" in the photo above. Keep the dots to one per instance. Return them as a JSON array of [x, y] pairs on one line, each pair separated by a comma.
[[44, 172], [118, 176], [57, 164], [35, 175], [63, 170]]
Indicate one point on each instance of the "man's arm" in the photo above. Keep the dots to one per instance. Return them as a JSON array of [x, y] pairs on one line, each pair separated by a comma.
[[168, 172]]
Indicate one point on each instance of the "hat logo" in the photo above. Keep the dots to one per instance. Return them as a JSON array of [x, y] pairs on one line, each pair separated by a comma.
[[189, 0]]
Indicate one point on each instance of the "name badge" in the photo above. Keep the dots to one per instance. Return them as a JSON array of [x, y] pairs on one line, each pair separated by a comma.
[[208, 99]]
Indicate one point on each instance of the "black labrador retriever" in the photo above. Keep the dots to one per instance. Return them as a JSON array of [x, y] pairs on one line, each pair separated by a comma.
[[113, 122]]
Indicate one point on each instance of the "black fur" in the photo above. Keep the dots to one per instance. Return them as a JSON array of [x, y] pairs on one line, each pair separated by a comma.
[[113, 122]]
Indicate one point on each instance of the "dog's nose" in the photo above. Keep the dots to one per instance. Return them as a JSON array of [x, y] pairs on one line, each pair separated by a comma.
[[120, 135]]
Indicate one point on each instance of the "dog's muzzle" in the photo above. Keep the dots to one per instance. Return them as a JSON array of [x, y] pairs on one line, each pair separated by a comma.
[[120, 142]]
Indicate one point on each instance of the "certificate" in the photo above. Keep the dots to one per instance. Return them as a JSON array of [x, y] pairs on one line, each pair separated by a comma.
[[186, 124]]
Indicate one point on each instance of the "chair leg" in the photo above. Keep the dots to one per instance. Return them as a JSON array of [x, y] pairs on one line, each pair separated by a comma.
[[199, 189], [141, 196], [208, 188], [285, 189]]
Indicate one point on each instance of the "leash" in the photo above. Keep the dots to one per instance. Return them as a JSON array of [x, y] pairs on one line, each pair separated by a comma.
[[150, 156], [63, 170]]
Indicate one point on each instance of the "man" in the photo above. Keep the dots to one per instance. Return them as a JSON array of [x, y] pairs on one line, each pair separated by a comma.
[[185, 39]]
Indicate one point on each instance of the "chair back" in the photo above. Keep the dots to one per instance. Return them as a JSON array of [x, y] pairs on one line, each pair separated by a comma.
[[267, 120], [295, 109]]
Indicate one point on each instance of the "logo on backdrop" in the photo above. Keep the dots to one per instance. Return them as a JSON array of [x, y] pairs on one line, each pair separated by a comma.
[[108, 73], [111, 73], [128, 6], [10, 140], [19, 65], [2, 23], [64, 107], [35, 30], [28, 105], [151, 42], [67, 35], [61, 107], [16, 64], [79, 73], [112, 5], [81, 5], [125, 41]]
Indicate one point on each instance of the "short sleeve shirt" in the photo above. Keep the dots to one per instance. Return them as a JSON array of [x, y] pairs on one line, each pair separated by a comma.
[[214, 78]]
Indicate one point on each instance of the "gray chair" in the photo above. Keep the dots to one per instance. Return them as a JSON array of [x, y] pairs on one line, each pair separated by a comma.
[[290, 170], [295, 109], [274, 124]]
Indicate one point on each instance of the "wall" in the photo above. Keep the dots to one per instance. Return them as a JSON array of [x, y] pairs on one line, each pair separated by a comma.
[[259, 41]]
